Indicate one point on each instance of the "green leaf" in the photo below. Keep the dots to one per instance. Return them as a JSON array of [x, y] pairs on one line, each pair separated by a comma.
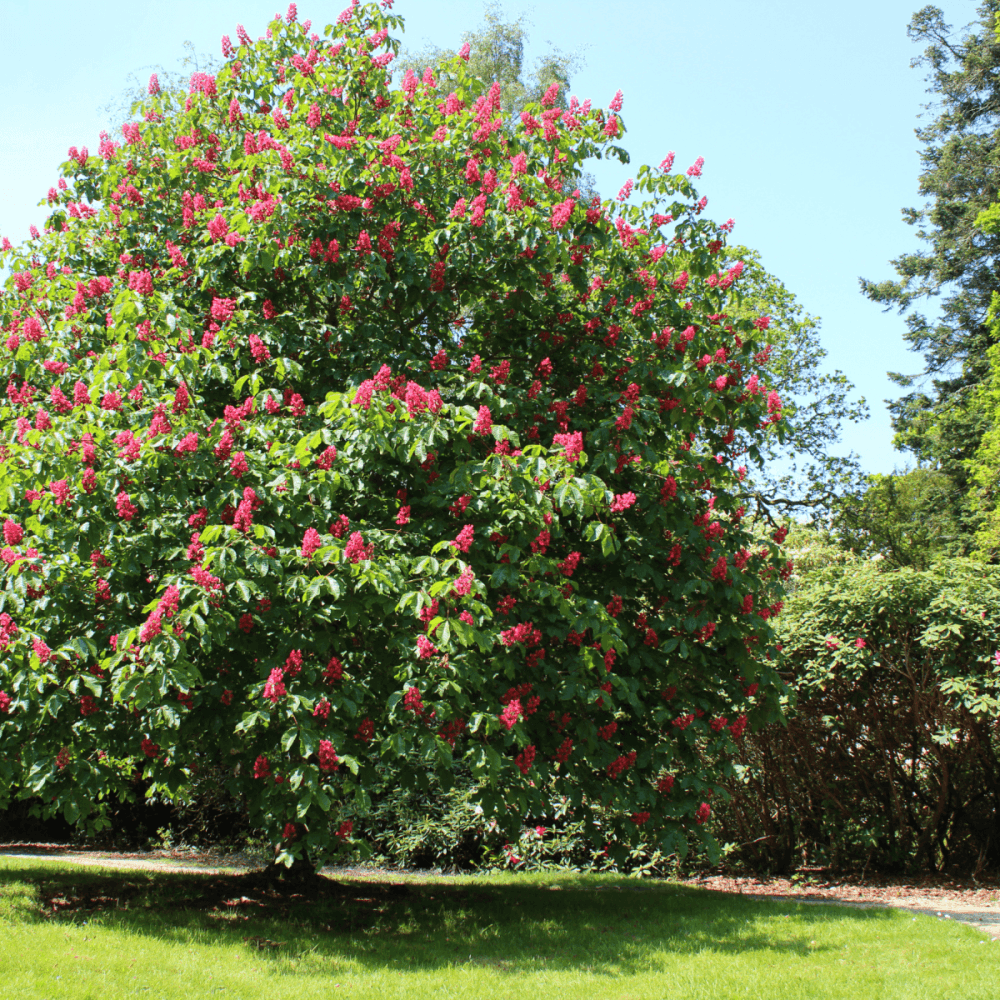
[[314, 589]]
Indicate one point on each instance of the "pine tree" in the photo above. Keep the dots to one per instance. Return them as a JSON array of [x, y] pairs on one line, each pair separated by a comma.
[[935, 421]]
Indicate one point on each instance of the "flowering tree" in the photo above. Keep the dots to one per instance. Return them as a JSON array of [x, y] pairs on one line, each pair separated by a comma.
[[335, 432]]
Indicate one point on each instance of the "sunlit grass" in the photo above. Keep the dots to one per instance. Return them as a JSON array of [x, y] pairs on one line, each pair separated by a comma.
[[76, 932]]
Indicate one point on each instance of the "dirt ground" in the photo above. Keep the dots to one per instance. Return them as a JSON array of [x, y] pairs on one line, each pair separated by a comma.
[[973, 903]]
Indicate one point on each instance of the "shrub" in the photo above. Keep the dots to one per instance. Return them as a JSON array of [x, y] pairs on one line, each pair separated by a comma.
[[890, 757]]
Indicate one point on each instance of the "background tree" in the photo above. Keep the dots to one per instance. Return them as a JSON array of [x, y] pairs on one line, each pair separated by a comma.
[[907, 519], [958, 270], [983, 466], [336, 433], [793, 468], [496, 54]]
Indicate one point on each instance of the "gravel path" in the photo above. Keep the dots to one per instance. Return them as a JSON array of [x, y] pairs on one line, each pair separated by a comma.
[[192, 862], [976, 904]]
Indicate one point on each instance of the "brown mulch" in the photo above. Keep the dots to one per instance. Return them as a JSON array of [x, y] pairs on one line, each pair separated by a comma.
[[970, 902], [914, 890]]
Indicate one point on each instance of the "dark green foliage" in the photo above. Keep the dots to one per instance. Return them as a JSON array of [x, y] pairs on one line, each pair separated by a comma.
[[434, 827], [430, 827], [208, 816]]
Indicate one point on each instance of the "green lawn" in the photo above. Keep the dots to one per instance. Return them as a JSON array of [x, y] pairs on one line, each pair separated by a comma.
[[77, 932]]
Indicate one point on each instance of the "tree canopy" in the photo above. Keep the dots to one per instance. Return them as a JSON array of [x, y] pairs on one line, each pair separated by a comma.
[[794, 468]]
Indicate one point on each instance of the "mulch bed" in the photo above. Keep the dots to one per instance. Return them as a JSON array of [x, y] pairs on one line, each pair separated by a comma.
[[913, 890]]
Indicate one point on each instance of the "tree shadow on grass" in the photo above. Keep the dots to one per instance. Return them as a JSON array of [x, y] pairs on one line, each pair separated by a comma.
[[536, 923]]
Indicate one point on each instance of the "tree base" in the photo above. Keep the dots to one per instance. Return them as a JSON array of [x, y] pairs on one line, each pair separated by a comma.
[[300, 876]]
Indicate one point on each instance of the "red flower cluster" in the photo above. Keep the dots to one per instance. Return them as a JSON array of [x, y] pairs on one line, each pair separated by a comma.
[[311, 542], [622, 763], [165, 608], [484, 421], [355, 550], [622, 502], [525, 759], [328, 759], [568, 566], [541, 543], [274, 686], [738, 727], [524, 632], [126, 509], [450, 731], [512, 713], [334, 670], [465, 538], [413, 701]]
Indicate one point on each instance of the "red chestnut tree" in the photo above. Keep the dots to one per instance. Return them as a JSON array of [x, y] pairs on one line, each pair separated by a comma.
[[337, 430]]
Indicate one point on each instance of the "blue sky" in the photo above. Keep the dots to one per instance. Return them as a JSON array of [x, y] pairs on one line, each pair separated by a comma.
[[804, 113]]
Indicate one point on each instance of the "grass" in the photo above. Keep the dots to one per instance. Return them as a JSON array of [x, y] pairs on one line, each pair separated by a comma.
[[78, 933]]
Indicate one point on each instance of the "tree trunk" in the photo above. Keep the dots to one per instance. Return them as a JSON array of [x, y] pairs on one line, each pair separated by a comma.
[[302, 870]]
